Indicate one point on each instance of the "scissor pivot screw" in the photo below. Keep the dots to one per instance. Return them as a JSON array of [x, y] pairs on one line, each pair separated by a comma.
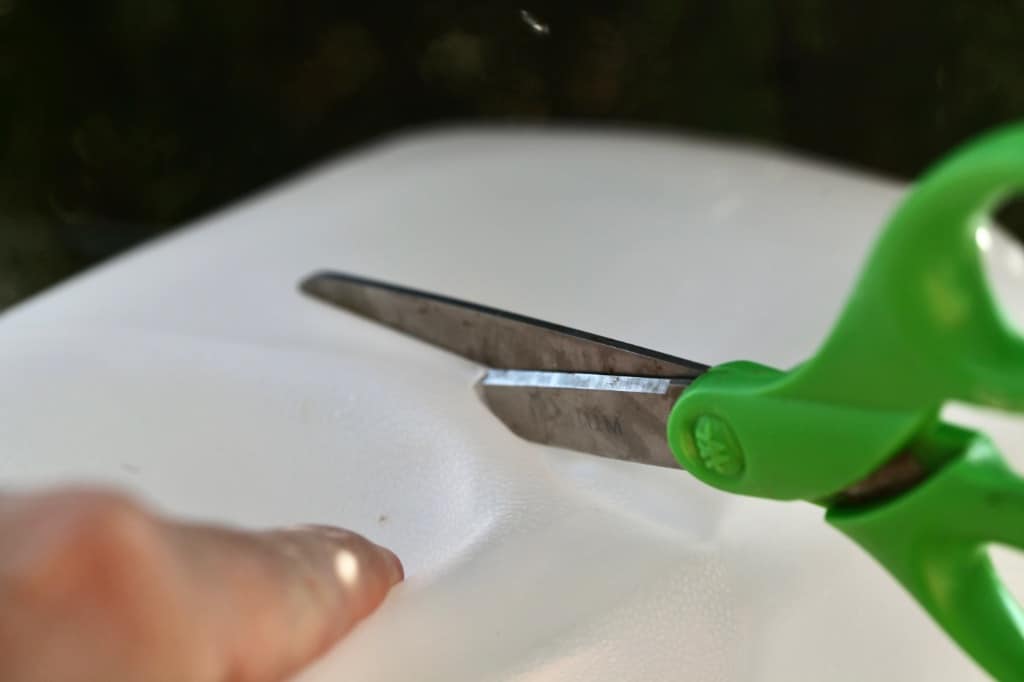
[[717, 447]]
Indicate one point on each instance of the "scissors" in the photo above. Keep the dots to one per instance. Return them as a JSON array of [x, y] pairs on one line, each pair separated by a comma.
[[855, 429]]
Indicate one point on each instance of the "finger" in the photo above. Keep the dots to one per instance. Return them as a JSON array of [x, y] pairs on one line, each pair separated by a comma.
[[89, 590], [93, 586], [277, 599]]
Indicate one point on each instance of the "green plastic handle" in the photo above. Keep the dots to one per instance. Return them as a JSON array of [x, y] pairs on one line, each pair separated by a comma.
[[934, 541], [920, 329]]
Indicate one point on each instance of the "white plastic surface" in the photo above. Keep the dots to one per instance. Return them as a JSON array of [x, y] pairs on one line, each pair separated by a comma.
[[193, 373]]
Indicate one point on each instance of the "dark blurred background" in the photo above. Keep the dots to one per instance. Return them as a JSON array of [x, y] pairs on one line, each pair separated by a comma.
[[122, 118]]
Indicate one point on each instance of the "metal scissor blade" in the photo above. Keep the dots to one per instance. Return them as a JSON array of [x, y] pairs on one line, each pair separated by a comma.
[[493, 338], [608, 415]]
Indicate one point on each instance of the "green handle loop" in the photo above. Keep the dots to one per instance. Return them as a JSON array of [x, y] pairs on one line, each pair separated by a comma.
[[921, 328], [934, 541], [922, 325]]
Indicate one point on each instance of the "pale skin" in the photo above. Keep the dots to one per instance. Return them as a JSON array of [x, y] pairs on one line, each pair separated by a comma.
[[95, 586]]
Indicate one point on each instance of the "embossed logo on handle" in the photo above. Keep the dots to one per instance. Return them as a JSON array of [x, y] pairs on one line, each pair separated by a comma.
[[717, 447]]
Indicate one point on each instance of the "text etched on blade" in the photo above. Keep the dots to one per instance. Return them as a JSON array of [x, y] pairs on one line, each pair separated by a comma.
[[602, 423]]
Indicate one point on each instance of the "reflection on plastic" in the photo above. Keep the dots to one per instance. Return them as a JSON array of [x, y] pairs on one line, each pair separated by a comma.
[[983, 238]]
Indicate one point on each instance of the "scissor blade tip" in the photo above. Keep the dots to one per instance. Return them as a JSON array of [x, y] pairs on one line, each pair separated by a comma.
[[310, 284], [327, 285]]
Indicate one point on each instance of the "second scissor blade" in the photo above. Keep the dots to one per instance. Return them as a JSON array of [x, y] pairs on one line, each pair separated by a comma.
[[622, 417]]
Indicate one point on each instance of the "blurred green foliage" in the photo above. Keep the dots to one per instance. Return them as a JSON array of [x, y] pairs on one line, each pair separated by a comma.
[[120, 118]]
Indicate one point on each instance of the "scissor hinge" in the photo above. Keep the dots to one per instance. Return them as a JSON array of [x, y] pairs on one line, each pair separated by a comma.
[[896, 476]]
